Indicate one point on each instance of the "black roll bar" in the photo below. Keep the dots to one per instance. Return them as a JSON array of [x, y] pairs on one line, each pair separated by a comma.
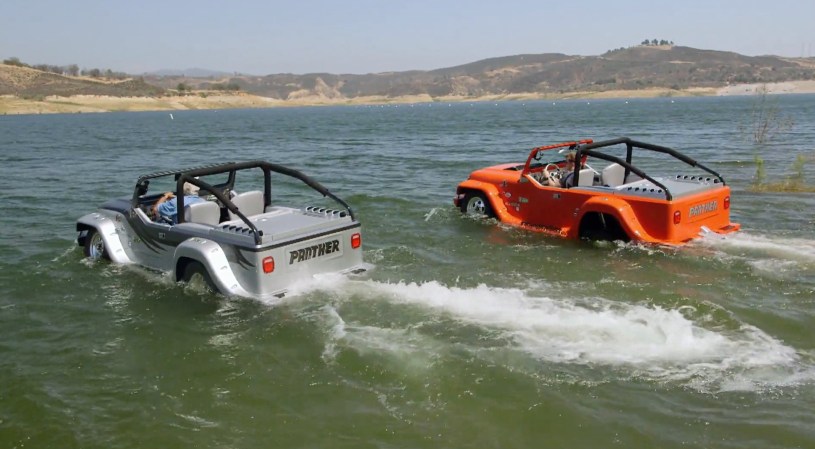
[[588, 150], [191, 175], [630, 143], [628, 168]]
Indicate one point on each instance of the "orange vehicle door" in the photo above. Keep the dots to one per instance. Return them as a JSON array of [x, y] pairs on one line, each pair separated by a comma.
[[538, 205]]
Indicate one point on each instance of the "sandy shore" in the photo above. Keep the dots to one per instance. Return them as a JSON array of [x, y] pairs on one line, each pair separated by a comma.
[[93, 103], [790, 87]]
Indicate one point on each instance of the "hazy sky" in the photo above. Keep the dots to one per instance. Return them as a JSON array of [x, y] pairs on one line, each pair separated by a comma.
[[363, 36]]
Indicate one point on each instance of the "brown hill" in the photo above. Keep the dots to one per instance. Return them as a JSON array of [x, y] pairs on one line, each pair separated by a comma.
[[634, 68], [641, 67], [26, 82]]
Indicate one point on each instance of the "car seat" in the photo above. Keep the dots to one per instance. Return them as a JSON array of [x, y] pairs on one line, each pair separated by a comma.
[[250, 203], [613, 175], [585, 177], [205, 212]]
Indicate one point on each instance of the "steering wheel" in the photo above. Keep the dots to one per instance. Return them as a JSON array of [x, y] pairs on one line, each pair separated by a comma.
[[555, 170]]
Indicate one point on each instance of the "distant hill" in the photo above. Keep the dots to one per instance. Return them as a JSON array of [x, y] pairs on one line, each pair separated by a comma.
[[633, 68], [192, 73], [26, 82], [640, 67]]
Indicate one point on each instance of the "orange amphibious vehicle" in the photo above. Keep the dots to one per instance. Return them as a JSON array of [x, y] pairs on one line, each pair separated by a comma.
[[604, 196]]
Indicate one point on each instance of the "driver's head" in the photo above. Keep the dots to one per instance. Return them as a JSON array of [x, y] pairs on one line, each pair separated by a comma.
[[190, 189], [570, 156]]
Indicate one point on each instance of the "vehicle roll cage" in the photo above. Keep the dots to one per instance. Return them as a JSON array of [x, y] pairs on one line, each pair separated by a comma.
[[587, 149], [191, 175]]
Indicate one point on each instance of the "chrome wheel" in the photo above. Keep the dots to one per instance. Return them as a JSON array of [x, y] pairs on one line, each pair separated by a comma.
[[476, 205], [95, 246]]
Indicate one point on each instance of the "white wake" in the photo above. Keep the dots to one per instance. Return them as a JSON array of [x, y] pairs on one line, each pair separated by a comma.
[[676, 345]]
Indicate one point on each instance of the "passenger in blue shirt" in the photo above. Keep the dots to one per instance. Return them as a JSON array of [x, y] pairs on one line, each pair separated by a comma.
[[165, 207]]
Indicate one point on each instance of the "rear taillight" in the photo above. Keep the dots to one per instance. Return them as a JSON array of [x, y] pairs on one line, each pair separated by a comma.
[[727, 202], [677, 217], [356, 241], [268, 264]]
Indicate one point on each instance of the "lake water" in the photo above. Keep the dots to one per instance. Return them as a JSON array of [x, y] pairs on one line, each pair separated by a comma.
[[465, 334]]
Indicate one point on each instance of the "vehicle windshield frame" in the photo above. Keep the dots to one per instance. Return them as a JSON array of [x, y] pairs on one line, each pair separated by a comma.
[[557, 146]]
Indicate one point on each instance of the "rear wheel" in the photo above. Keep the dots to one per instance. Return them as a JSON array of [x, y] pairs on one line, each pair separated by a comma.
[[475, 204], [95, 246], [197, 276], [598, 226]]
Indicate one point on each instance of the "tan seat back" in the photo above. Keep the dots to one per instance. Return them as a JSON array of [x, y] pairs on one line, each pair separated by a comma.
[[586, 177], [205, 212], [613, 175], [249, 203]]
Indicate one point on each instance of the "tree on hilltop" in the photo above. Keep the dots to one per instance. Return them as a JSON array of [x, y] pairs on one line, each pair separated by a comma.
[[15, 61], [655, 42]]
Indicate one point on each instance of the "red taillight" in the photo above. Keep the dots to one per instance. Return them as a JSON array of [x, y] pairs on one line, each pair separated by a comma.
[[268, 264], [727, 202], [677, 217], [356, 240]]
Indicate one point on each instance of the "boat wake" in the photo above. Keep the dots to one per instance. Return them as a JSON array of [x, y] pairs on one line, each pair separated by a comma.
[[415, 324], [797, 249], [768, 255]]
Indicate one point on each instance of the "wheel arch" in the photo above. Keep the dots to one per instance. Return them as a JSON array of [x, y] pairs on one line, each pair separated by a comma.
[[490, 193], [616, 209], [213, 258], [106, 228]]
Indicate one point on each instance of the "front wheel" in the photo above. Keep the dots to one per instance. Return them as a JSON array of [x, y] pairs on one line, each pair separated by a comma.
[[195, 274], [475, 204], [95, 246]]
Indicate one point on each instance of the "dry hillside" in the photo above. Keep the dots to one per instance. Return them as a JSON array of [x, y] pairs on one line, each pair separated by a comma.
[[640, 68], [26, 82], [635, 68]]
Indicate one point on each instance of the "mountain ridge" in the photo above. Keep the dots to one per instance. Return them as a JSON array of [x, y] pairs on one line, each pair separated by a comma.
[[633, 68], [644, 69]]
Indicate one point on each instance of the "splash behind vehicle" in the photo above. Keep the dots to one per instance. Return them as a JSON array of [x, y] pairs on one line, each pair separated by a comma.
[[238, 242], [616, 201]]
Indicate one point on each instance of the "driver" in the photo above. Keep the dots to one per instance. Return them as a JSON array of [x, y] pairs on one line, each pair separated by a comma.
[[165, 207], [569, 169]]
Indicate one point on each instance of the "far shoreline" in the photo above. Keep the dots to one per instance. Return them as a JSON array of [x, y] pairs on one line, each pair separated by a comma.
[[13, 105]]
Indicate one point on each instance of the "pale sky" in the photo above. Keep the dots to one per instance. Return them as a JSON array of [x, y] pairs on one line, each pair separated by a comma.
[[367, 36]]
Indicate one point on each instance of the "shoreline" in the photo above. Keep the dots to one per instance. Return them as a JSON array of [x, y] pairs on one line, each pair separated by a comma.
[[12, 105]]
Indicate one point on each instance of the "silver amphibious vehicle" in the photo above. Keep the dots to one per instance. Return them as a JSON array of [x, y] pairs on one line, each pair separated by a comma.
[[237, 242]]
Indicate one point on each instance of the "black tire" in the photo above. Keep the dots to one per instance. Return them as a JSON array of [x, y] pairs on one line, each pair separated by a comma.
[[94, 247], [194, 271], [602, 227], [475, 204]]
